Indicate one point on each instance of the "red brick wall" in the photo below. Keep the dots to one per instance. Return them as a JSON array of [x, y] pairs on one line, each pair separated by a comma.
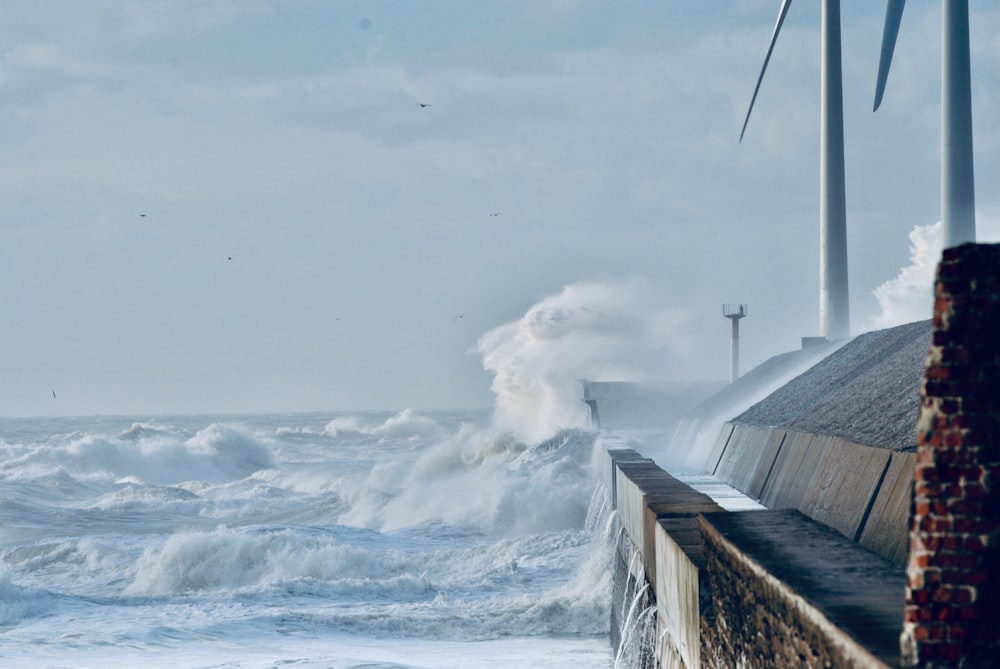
[[952, 597]]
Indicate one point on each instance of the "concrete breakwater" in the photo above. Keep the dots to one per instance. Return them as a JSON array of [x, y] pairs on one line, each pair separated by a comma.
[[878, 463], [817, 579], [751, 588]]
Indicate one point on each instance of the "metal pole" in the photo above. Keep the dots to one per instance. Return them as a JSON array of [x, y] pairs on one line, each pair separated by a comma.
[[734, 312], [734, 372], [834, 300], [958, 198]]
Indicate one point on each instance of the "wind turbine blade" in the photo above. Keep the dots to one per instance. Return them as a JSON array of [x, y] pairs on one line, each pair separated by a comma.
[[893, 16], [774, 36]]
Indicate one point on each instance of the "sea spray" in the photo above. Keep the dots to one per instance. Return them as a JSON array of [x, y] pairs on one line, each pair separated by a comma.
[[909, 296], [587, 330], [479, 478]]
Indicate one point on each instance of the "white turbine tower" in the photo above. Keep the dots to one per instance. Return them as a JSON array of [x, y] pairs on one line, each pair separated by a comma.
[[958, 196], [834, 302]]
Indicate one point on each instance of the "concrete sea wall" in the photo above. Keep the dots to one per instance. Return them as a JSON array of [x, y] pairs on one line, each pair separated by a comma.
[[878, 468], [861, 491], [817, 579], [750, 588]]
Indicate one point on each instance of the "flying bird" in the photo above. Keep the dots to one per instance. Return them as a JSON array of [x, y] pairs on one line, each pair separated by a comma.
[[496, 213], [459, 316], [423, 104], [53, 394]]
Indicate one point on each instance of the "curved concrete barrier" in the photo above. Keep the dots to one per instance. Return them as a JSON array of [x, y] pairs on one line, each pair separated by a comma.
[[861, 491], [756, 588]]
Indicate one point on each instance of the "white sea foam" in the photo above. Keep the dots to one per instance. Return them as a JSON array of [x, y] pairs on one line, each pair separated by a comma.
[[216, 453], [344, 425], [480, 478], [410, 426], [201, 543]]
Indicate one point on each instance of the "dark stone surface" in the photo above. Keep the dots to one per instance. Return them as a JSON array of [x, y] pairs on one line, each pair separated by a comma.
[[755, 384], [867, 391], [856, 590]]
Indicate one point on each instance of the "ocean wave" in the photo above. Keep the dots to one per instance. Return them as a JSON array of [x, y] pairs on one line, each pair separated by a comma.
[[216, 453], [228, 559], [132, 497], [401, 586], [484, 479], [18, 603], [41, 556], [412, 526], [553, 613], [548, 584], [345, 425], [140, 431], [409, 425], [230, 449], [42, 484], [406, 425]]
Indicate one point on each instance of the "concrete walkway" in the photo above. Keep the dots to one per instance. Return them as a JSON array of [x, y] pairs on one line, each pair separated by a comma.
[[859, 592]]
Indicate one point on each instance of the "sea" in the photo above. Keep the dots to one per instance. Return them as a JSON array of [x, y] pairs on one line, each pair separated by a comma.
[[374, 540]]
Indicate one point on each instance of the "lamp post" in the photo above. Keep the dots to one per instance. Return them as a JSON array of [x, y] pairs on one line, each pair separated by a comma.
[[734, 312]]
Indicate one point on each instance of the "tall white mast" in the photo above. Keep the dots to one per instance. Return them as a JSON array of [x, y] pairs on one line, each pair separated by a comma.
[[958, 196], [834, 300]]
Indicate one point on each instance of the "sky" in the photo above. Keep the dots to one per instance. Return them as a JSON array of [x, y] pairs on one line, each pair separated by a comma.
[[244, 206]]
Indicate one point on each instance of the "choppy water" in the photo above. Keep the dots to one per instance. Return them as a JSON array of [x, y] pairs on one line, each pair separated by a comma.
[[364, 540]]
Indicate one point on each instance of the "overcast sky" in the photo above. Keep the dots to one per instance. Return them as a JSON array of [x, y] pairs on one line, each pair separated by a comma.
[[242, 205]]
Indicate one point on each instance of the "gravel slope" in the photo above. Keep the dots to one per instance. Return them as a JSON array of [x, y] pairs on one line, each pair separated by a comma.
[[867, 391]]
